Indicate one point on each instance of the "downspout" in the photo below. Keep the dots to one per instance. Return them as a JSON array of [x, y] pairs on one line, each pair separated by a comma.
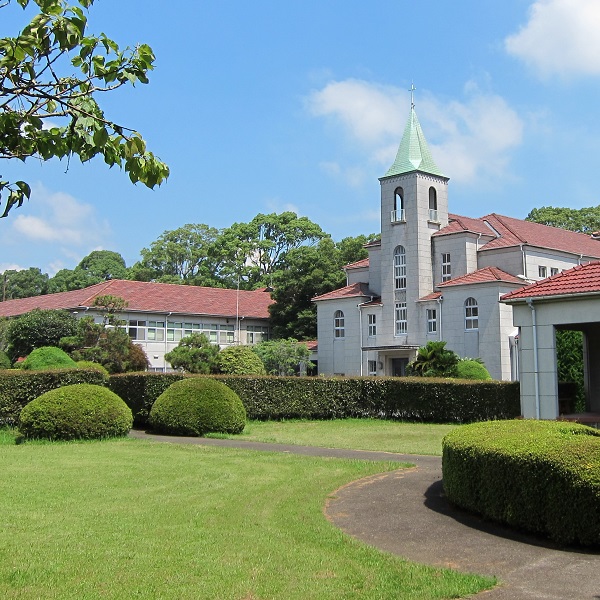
[[536, 374], [524, 261], [360, 332], [166, 342], [439, 301], [580, 259]]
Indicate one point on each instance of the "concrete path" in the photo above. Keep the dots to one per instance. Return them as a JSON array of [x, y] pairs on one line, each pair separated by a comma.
[[404, 512]]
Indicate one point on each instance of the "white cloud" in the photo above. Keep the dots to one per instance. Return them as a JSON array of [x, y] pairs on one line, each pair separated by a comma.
[[61, 219], [561, 37], [10, 267], [277, 206], [469, 139]]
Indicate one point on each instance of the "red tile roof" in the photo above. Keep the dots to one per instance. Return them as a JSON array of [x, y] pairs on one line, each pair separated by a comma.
[[432, 296], [359, 264], [580, 280], [355, 290], [508, 232], [312, 345], [484, 275], [153, 297]]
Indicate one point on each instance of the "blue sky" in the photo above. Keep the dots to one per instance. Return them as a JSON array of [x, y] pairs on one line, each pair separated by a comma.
[[267, 106]]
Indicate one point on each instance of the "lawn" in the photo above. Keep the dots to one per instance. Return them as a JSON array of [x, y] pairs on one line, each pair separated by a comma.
[[135, 519], [357, 434]]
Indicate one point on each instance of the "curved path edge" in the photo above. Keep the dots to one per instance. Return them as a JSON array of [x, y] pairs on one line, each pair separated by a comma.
[[405, 512]]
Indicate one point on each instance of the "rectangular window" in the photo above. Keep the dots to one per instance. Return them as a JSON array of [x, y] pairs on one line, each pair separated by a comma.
[[372, 325], [256, 334], [156, 335], [543, 272], [372, 368], [446, 267], [137, 330], [553, 271], [226, 334], [400, 318], [431, 320]]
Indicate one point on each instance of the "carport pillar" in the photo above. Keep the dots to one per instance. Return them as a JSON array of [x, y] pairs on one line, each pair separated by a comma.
[[536, 370]]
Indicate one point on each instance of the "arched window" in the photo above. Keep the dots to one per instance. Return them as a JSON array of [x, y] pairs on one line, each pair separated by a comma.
[[398, 212], [399, 268], [471, 314], [433, 214], [339, 330]]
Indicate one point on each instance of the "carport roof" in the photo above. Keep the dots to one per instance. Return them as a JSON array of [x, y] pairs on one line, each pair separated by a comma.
[[580, 280]]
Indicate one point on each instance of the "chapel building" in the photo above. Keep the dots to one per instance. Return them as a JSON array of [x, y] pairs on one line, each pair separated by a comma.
[[434, 275]]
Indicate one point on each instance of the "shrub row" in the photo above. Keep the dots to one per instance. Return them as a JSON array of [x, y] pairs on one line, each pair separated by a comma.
[[18, 388], [538, 476], [407, 398]]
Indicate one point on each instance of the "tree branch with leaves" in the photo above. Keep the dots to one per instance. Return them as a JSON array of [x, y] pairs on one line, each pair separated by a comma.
[[47, 112]]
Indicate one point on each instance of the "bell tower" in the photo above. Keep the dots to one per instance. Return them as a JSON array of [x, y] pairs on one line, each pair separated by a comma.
[[414, 205]]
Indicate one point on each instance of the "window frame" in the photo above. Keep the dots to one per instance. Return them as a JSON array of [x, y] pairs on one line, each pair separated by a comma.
[[339, 325], [372, 325], [431, 318], [471, 314], [399, 267], [446, 266], [400, 318]]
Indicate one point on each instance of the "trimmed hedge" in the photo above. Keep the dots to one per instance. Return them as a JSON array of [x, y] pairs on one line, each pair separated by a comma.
[[197, 406], [18, 388], [538, 476], [76, 412], [402, 398], [140, 390]]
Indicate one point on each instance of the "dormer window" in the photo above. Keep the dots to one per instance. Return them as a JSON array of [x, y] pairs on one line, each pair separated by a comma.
[[398, 212], [433, 213]]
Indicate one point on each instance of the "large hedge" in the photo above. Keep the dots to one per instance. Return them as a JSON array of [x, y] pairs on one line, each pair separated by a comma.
[[17, 387], [196, 406], [404, 398], [73, 412], [538, 476]]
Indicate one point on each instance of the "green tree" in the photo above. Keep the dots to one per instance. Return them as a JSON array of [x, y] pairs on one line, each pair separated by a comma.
[[252, 252], [103, 265], [434, 360], [284, 357], [306, 272], [23, 284], [38, 328], [183, 255], [67, 280], [194, 354], [239, 360], [582, 220], [51, 75]]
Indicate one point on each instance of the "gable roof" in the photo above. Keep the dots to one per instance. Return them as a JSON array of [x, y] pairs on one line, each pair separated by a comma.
[[413, 153], [580, 280], [509, 232], [359, 264], [153, 298], [356, 290], [485, 275]]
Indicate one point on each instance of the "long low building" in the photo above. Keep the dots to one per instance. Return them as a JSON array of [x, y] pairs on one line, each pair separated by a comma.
[[158, 315]]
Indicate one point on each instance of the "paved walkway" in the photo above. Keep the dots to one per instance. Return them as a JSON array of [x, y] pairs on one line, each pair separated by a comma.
[[405, 512]]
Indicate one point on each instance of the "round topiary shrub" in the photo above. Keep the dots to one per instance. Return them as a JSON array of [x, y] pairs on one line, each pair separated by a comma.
[[48, 357], [240, 360], [472, 369], [80, 411], [88, 364], [197, 406], [4, 360]]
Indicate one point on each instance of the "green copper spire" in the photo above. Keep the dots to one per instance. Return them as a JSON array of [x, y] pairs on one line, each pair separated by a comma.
[[413, 153]]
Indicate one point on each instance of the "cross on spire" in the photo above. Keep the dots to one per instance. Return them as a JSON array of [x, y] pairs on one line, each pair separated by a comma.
[[412, 95]]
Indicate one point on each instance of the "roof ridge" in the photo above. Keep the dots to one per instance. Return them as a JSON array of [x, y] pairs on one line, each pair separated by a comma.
[[501, 219], [106, 285]]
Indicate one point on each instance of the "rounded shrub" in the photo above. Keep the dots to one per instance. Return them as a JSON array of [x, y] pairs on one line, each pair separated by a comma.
[[4, 360], [48, 357], [197, 406], [538, 476], [88, 364], [240, 360], [472, 369], [80, 411]]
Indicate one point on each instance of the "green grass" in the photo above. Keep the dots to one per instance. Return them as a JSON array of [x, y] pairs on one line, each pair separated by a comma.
[[356, 434], [132, 519]]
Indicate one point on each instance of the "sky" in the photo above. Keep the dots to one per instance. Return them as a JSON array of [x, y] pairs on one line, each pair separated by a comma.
[[267, 106]]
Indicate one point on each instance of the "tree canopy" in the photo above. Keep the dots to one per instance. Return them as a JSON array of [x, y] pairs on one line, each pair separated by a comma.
[[582, 220], [51, 75]]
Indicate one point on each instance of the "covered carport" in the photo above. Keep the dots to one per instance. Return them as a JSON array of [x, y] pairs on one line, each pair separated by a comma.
[[569, 300]]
